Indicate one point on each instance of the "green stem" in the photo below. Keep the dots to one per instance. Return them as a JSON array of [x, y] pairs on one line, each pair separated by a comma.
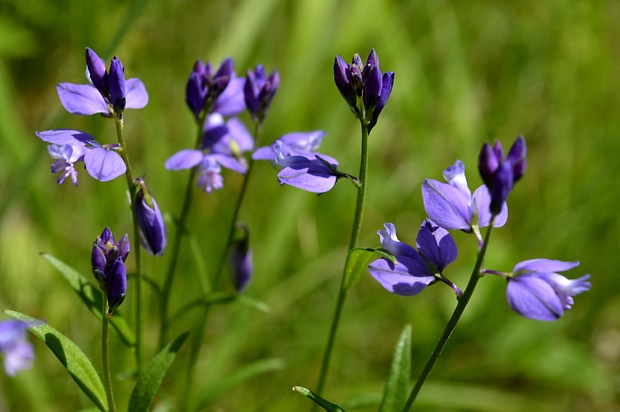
[[197, 341], [456, 315], [355, 234], [131, 186], [105, 353]]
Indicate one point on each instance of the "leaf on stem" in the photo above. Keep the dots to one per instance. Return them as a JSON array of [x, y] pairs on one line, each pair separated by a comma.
[[72, 358], [91, 296], [150, 379], [328, 406], [358, 260], [395, 394]]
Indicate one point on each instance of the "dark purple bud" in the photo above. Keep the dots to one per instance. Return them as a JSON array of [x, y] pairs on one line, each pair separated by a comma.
[[226, 69], [502, 185], [195, 94], [153, 234], [372, 91], [107, 236], [250, 93], [117, 86], [386, 90], [240, 261], [341, 78], [259, 91], [97, 72], [355, 78], [123, 247], [116, 285], [357, 62], [105, 252], [487, 164], [371, 63], [99, 262], [199, 69], [517, 156]]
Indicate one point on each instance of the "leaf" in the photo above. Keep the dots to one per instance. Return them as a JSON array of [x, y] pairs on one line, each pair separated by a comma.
[[328, 406], [72, 358], [358, 260], [149, 381], [249, 371], [91, 296], [395, 394]]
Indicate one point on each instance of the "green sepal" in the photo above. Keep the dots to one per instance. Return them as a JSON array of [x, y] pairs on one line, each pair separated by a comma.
[[325, 404], [71, 356], [148, 383], [91, 296], [358, 260], [395, 393]]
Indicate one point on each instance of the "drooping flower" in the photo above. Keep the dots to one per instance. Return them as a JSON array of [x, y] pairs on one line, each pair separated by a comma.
[[297, 143], [107, 93], [69, 147], [537, 292], [452, 206], [365, 81], [17, 352], [205, 87], [414, 269], [223, 144], [500, 172], [259, 91], [153, 233], [240, 261], [108, 262]]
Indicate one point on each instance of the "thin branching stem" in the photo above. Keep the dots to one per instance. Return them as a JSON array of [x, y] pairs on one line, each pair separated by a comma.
[[105, 352]]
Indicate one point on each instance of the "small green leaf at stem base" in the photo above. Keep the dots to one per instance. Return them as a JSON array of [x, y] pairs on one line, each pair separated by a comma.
[[358, 260], [323, 403], [395, 394]]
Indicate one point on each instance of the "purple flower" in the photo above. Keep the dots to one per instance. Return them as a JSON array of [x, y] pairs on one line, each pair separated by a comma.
[[414, 270], [205, 87], [107, 93], [357, 80], [153, 233], [108, 263], [298, 143], [240, 261], [18, 353], [500, 172], [223, 144], [451, 204], [69, 147], [259, 90], [537, 292], [312, 172]]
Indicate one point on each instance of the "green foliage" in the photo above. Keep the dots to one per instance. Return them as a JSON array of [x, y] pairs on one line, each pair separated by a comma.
[[323, 403], [397, 386], [357, 263]]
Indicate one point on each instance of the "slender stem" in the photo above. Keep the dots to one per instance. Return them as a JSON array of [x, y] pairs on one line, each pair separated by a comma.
[[355, 233], [105, 353], [197, 341], [456, 315], [131, 186]]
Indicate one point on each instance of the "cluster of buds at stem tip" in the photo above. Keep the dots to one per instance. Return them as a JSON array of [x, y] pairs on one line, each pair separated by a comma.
[[108, 262], [204, 85], [111, 84], [153, 234], [500, 172], [363, 86], [259, 90]]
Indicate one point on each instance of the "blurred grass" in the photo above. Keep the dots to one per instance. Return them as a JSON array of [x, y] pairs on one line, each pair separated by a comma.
[[465, 73]]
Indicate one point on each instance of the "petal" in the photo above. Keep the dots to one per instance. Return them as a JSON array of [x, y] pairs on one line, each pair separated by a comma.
[[63, 137], [231, 102], [103, 164], [184, 159], [312, 176], [455, 176], [229, 162], [81, 99], [544, 266], [482, 200], [240, 134], [397, 279], [436, 244], [18, 357], [390, 242], [533, 298], [10, 332], [446, 205], [264, 153], [136, 94]]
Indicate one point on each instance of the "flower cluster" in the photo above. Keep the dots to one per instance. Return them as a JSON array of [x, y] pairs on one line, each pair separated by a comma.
[[14, 347], [108, 263], [259, 90], [205, 86]]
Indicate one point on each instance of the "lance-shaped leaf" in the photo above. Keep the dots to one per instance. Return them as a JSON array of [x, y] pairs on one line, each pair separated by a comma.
[[72, 358], [91, 296], [395, 394], [323, 403], [149, 381], [357, 263]]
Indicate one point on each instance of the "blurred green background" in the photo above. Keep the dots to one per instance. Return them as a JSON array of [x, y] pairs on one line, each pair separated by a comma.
[[466, 72]]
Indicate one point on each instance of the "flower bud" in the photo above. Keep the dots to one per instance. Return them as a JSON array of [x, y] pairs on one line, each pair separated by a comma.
[[117, 284], [97, 71], [240, 261], [117, 86], [153, 234]]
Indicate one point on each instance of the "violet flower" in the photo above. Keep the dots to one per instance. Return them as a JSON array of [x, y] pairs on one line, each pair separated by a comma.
[[414, 269], [107, 93], [17, 352], [69, 147], [108, 262], [452, 206], [240, 261], [223, 144], [153, 233], [293, 144], [259, 90], [358, 81], [204, 87], [537, 292], [500, 172]]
